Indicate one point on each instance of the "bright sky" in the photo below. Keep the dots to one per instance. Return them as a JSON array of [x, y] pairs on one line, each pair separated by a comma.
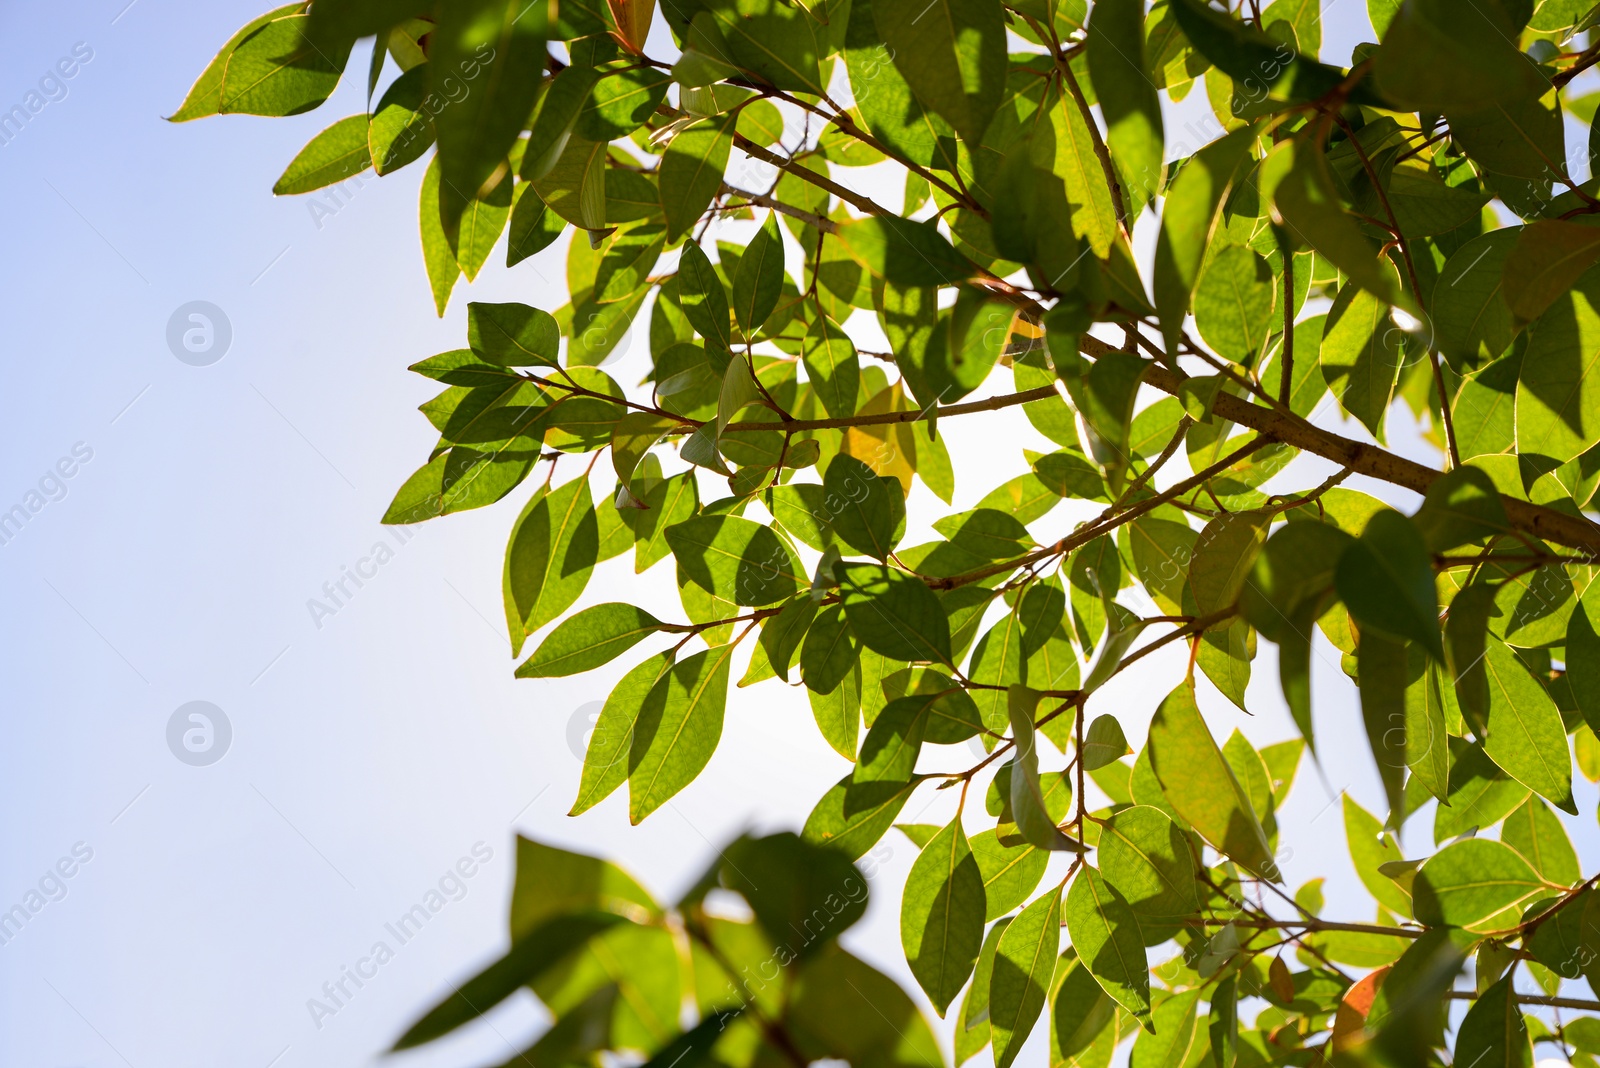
[[371, 749]]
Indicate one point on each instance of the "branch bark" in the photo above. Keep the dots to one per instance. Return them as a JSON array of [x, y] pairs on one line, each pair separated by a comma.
[[1575, 532]]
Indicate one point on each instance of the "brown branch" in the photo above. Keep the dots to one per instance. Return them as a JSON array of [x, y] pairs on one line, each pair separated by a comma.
[[1103, 154], [1416, 289], [1532, 999], [1090, 531], [1314, 926], [821, 181], [816, 222], [1575, 532], [910, 415]]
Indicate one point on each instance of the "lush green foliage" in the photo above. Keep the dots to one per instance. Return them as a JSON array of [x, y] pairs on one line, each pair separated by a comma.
[[1423, 197]]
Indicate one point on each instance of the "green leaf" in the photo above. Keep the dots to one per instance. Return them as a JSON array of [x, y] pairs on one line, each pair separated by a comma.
[[739, 389], [332, 156], [275, 71], [1381, 13], [894, 613], [1545, 262], [941, 916], [832, 369], [1076, 162], [1082, 1015], [1382, 672], [401, 129], [552, 550], [779, 43], [1261, 65], [1200, 786], [1438, 55], [865, 509], [513, 335], [1583, 664], [1189, 221], [842, 1008], [1105, 398], [677, 730], [903, 252], [953, 57], [1362, 354], [668, 503], [1172, 1033], [735, 559], [1103, 743], [1460, 507], [1146, 857], [1305, 198], [1223, 1028], [1371, 846], [1106, 935], [605, 761], [1069, 474], [475, 231], [346, 20], [621, 102], [1385, 578], [497, 48], [693, 1047], [1493, 1034], [1128, 98], [1471, 319], [700, 293], [795, 886], [1558, 388], [1234, 303], [1536, 832], [1517, 145], [552, 126], [691, 171], [588, 639], [205, 97], [530, 956], [1471, 882], [1408, 1012], [852, 816], [534, 227], [1224, 554], [1034, 820], [1428, 697], [1566, 941], [595, 330], [892, 112], [758, 280], [972, 1022], [1011, 870], [1525, 734], [1480, 793], [1225, 656], [1024, 966], [829, 653]]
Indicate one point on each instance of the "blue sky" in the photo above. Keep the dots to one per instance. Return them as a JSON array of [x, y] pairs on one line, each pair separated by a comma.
[[208, 504]]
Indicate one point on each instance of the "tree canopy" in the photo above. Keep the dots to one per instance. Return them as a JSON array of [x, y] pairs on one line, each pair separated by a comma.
[[1410, 242]]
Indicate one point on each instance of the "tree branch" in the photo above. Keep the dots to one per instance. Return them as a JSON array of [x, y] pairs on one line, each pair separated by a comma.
[[1575, 532], [821, 181]]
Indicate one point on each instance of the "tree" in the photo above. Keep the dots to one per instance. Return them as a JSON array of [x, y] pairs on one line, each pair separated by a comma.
[[1423, 196]]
